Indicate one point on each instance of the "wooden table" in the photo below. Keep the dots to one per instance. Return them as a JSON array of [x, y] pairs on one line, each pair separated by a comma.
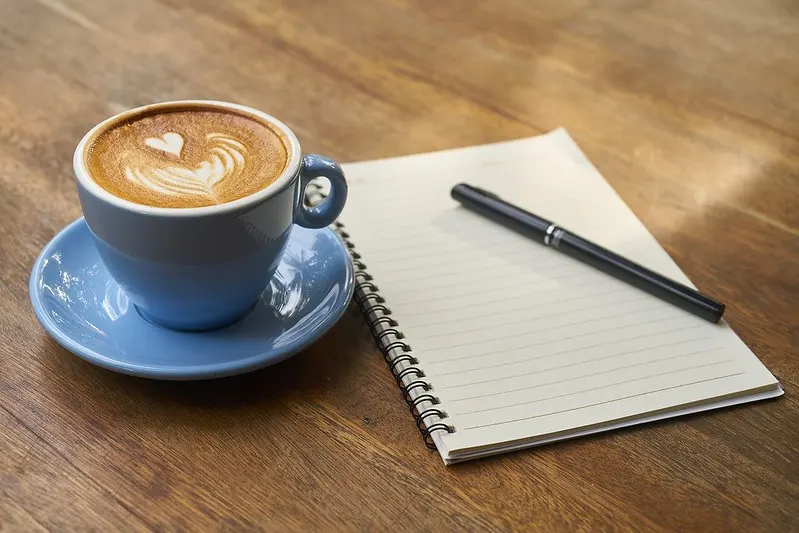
[[690, 109]]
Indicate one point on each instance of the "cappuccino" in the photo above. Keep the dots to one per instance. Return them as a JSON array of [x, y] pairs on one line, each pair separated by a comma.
[[186, 156]]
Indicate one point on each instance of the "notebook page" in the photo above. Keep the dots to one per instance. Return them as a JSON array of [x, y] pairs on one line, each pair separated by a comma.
[[519, 341]]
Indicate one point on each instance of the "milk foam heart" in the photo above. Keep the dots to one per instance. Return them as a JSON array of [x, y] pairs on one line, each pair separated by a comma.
[[168, 142], [187, 157]]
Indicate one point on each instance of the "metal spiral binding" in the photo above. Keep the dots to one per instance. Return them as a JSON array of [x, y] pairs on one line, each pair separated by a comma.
[[389, 338]]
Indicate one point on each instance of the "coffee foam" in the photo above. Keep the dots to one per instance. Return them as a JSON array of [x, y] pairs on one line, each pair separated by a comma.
[[186, 157]]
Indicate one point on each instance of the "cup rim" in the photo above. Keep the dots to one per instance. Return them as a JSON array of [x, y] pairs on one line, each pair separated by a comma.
[[284, 180]]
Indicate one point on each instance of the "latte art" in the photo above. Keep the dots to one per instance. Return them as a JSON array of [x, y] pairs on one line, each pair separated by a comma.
[[168, 142], [227, 158], [187, 158]]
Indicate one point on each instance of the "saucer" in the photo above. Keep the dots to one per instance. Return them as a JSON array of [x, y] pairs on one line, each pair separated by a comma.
[[86, 312]]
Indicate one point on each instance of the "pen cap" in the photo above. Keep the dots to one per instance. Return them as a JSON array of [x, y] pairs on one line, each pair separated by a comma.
[[495, 208]]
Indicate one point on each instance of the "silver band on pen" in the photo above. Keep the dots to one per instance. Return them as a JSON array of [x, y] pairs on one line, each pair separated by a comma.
[[548, 235], [553, 235]]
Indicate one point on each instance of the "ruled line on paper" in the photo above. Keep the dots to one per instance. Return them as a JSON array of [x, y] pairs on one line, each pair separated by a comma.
[[480, 303], [484, 290], [600, 387], [420, 261], [570, 325], [567, 352], [491, 352], [399, 230], [532, 319], [516, 310], [448, 272], [515, 303], [497, 246], [578, 363], [498, 272], [459, 282], [503, 237], [596, 404]]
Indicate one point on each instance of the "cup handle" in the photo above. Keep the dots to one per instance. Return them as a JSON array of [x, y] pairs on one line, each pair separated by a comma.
[[325, 213]]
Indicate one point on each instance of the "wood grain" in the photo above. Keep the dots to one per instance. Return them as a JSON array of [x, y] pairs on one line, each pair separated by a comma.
[[689, 108]]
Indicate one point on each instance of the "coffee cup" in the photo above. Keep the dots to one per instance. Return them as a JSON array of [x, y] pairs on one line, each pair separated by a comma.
[[202, 267]]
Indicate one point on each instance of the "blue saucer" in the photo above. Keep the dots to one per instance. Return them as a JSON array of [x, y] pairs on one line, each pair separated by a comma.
[[85, 311]]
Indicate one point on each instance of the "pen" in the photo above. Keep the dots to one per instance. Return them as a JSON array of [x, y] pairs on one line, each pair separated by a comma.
[[550, 234]]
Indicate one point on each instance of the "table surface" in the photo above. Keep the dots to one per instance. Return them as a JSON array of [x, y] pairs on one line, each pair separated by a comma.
[[688, 108]]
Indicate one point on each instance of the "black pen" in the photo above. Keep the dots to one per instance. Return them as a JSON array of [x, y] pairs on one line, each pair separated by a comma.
[[550, 234]]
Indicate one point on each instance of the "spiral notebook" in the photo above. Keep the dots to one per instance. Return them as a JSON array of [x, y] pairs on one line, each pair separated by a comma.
[[498, 343]]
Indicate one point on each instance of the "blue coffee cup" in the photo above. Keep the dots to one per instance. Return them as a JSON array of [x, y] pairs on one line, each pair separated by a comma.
[[200, 268]]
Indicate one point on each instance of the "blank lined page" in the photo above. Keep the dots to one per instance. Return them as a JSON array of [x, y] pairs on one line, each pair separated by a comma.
[[520, 342]]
